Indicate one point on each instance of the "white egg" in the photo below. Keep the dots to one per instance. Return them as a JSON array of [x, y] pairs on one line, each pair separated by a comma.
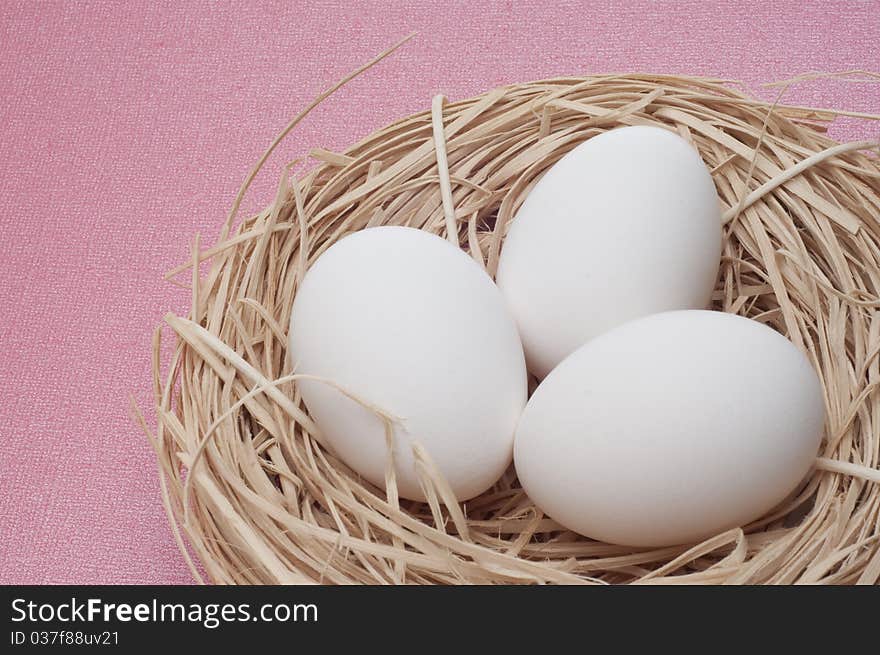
[[671, 428], [625, 225], [405, 321]]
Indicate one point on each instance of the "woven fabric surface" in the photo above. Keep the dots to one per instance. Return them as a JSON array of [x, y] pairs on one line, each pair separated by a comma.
[[127, 128]]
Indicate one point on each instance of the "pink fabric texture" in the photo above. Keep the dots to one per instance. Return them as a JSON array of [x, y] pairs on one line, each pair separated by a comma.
[[127, 127]]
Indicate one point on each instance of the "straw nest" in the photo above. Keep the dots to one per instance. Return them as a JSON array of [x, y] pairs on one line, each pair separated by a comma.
[[255, 497]]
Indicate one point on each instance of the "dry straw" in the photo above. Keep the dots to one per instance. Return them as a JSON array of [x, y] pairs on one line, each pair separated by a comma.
[[255, 496]]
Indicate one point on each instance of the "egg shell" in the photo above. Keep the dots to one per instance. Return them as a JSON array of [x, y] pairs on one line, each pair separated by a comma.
[[409, 323], [670, 429], [626, 224]]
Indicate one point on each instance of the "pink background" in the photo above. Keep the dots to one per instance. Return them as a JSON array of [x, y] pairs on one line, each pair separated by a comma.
[[126, 128]]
